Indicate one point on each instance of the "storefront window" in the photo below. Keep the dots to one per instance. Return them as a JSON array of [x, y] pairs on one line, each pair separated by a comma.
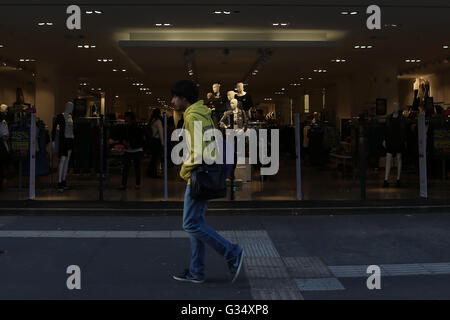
[[101, 92]]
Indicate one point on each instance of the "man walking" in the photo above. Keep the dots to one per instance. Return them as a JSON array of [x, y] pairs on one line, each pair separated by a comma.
[[185, 98]]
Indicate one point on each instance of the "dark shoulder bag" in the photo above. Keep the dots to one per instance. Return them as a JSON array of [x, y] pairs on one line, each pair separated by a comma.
[[208, 182]]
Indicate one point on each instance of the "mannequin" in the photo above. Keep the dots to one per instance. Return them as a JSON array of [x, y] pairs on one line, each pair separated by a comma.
[[3, 108], [65, 140], [235, 118], [316, 118], [395, 138], [218, 103], [231, 95], [244, 98]]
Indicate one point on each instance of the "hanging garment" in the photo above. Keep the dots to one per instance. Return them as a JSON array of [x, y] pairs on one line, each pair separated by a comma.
[[395, 135], [62, 120]]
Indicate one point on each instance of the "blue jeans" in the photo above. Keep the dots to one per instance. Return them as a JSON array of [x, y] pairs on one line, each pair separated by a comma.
[[200, 234]]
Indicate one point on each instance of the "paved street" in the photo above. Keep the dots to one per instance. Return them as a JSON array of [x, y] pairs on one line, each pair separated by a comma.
[[288, 257]]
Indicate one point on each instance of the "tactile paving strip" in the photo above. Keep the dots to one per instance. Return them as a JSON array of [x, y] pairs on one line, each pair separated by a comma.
[[274, 284], [265, 267], [256, 243], [392, 270], [349, 271], [306, 267], [437, 268], [283, 294], [324, 284]]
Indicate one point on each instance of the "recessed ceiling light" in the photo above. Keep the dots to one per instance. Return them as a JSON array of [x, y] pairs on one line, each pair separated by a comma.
[[124, 70], [283, 24], [344, 13], [98, 12], [218, 12], [117, 96], [363, 46], [89, 12], [227, 12], [354, 13], [2, 46], [41, 24], [114, 70], [49, 23], [445, 47]]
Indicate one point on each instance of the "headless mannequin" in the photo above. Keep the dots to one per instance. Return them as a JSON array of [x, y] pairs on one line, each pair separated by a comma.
[[64, 160], [395, 115]]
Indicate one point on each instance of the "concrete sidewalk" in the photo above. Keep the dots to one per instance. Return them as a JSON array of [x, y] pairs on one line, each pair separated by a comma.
[[288, 258], [175, 208]]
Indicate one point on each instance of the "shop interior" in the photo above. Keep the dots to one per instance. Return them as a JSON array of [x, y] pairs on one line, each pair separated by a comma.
[[320, 62]]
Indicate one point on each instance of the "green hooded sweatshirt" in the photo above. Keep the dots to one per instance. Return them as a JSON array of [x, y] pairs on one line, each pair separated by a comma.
[[196, 112]]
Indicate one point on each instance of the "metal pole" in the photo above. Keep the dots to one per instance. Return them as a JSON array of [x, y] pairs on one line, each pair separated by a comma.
[[362, 159], [165, 158], [298, 151], [32, 186], [100, 185], [422, 156]]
